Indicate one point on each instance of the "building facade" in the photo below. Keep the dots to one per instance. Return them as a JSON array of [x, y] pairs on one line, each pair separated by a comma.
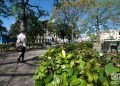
[[110, 35], [3, 37]]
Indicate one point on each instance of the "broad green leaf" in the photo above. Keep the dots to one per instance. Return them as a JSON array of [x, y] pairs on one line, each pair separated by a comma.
[[90, 84], [48, 79], [53, 83], [39, 82], [65, 83], [63, 66], [73, 77], [49, 84], [58, 71], [83, 82], [57, 65], [64, 78], [49, 57], [58, 61], [76, 71], [70, 71], [72, 63], [57, 79], [69, 56], [66, 61], [75, 82], [90, 77], [95, 77], [63, 53], [82, 64], [109, 68], [106, 83], [102, 79], [41, 75], [88, 66], [52, 50]]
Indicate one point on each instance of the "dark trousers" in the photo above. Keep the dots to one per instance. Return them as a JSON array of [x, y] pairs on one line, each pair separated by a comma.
[[22, 54]]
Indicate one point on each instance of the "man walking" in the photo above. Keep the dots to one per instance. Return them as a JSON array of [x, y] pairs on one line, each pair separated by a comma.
[[22, 38]]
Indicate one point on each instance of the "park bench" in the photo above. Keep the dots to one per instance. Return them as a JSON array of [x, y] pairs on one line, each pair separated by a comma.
[[110, 46]]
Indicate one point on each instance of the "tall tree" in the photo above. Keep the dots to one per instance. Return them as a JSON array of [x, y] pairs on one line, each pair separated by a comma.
[[2, 28], [99, 16], [69, 12], [4, 9], [14, 29], [35, 27], [24, 8]]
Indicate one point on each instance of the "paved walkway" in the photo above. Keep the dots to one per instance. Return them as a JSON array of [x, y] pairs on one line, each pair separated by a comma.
[[21, 74], [97, 46]]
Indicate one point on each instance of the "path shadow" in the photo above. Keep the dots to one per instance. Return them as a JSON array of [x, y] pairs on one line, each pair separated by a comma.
[[30, 64], [5, 63], [12, 62], [3, 56], [16, 74]]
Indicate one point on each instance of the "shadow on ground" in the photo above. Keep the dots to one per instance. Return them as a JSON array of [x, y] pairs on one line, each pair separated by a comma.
[[12, 62], [17, 74]]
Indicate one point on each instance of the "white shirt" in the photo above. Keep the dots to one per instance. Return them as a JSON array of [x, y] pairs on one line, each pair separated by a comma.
[[21, 37]]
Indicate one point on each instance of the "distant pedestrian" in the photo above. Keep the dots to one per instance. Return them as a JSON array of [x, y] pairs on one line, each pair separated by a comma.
[[21, 43], [53, 40]]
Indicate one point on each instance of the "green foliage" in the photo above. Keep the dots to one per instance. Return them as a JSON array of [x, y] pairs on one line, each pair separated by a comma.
[[109, 69], [7, 47], [92, 36], [67, 16], [72, 65], [11, 46], [35, 45], [14, 29], [2, 28], [4, 8]]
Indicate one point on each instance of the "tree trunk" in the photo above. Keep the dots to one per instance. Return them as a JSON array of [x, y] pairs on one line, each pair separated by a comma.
[[24, 16], [72, 36], [97, 30], [73, 29]]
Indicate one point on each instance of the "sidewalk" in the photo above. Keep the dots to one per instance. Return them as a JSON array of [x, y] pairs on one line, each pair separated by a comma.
[[21, 74], [97, 47]]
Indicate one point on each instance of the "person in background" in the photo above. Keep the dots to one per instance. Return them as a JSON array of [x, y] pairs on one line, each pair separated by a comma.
[[53, 40], [22, 38]]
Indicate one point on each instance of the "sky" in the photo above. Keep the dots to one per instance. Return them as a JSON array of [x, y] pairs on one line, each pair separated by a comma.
[[44, 4]]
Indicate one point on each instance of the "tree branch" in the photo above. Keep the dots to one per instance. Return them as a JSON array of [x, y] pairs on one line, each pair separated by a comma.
[[32, 6]]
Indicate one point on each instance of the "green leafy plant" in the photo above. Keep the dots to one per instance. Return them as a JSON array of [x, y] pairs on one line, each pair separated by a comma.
[[72, 65]]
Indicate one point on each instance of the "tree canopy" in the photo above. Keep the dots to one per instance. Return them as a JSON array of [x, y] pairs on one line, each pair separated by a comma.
[[89, 16]]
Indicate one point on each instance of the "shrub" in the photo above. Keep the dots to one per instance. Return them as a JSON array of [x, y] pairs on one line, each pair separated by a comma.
[[7, 47], [72, 65]]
